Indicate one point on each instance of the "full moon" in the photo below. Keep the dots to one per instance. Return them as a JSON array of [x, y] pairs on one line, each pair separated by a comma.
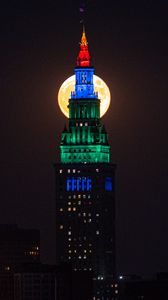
[[68, 86]]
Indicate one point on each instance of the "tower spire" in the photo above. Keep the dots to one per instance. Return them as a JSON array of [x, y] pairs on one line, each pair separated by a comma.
[[84, 39], [83, 59]]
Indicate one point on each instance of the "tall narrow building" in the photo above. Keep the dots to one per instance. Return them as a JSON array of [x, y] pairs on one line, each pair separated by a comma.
[[85, 196]]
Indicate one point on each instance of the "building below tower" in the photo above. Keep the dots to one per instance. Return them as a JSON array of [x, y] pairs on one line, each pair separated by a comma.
[[18, 246], [85, 218]]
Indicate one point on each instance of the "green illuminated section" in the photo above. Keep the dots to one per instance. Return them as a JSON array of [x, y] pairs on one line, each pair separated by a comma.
[[86, 139]]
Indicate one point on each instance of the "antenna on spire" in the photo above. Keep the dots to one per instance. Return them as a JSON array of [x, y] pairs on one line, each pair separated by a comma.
[[83, 27]]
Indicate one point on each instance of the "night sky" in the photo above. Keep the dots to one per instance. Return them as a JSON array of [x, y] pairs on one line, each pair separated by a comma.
[[129, 48]]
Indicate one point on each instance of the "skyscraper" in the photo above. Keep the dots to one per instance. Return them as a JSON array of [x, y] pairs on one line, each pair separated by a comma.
[[85, 190]]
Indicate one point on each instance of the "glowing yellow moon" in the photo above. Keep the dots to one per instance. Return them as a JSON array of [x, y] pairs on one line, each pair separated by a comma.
[[69, 85]]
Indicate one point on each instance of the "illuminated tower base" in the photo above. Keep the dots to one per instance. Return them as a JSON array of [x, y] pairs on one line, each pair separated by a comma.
[[85, 222]]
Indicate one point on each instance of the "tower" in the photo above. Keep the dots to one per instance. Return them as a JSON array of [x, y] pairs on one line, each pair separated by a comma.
[[85, 190]]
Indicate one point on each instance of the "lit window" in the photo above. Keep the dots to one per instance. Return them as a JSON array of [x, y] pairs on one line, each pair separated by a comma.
[[108, 184], [85, 251], [61, 227], [69, 203], [69, 208], [89, 214], [79, 202], [73, 171], [79, 214], [79, 196], [69, 239], [74, 196], [84, 257], [60, 170], [84, 221], [81, 124], [69, 197], [69, 171], [69, 251], [84, 196], [69, 232], [97, 170], [97, 215], [90, 220], [79, 257], [69, 257], [74, 251], [86, 124], [74, 208], [61, 209], [97, 232], [84, 214]]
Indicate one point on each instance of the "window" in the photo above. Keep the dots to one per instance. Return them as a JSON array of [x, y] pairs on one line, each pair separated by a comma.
[[60, 170], [108, 184]]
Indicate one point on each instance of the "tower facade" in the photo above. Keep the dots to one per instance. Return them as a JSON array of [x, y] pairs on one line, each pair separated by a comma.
[[85, 190]]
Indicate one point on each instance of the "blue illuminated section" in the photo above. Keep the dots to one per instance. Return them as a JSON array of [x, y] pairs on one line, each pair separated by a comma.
[[81, 184], [84, 87], [108, 184]]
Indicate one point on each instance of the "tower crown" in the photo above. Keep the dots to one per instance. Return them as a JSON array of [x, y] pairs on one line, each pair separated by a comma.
[[85, 140], [83, 59]]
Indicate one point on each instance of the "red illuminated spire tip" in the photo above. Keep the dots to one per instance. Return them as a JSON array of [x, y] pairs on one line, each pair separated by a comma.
[[83, 59]]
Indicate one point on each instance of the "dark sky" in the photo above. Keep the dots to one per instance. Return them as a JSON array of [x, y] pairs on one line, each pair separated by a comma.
[[129, 48]]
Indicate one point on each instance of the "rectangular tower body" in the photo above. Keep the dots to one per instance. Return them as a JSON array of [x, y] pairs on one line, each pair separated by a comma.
[[85, 218]]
